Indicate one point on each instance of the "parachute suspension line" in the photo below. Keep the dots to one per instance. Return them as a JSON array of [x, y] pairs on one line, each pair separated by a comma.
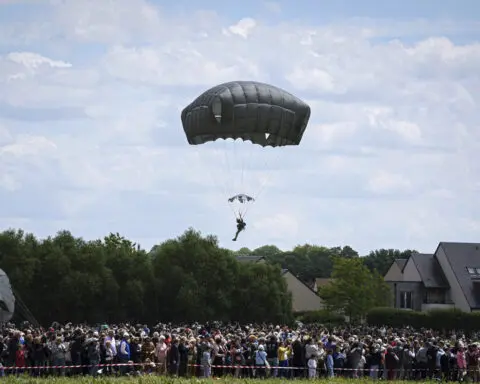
[[243, 170], [237, 184], [268, 176], [229, 186], [223, 185], [247, 164], [21, 313], [237, 180], [27, 314], [248, 159], [222, 190]]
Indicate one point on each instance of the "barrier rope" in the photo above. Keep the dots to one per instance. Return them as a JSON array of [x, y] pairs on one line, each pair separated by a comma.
[[153, 365]]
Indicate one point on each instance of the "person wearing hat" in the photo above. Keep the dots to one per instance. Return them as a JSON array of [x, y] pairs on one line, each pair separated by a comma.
[[124, 352], [261, 363]]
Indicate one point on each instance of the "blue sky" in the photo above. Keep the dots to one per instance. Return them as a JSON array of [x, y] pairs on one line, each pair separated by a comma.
[[91, 139]]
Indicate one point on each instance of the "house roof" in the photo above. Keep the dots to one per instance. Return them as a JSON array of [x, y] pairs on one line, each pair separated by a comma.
[[429, 269], [253, 259], [460, 256], [401, 263], [285, 271]]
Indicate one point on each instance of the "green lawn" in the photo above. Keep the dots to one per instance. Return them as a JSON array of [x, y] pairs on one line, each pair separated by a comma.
[[164, 380]]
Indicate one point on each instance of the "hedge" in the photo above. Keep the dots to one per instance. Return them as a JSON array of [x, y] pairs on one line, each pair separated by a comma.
[[321, 316], [436, 319]]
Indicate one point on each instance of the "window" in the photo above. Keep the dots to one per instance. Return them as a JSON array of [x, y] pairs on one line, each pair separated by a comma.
[[434, 296], [406, 300], [474, 272]]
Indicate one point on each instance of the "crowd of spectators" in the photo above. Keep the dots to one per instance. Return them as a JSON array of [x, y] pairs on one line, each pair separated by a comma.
[[247, 351]]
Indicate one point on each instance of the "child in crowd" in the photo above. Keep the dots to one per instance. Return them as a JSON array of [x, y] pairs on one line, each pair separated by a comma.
[[312, 367], [206, 361]]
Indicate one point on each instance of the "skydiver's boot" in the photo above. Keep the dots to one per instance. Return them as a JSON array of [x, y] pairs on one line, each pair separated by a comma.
[[236, 235]]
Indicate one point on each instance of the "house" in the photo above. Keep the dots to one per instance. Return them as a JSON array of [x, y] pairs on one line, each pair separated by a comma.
[[396, 270], [304, 298], [448, 278]]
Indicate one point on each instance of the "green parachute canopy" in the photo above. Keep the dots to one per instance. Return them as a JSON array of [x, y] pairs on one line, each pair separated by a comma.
[[247, 110]]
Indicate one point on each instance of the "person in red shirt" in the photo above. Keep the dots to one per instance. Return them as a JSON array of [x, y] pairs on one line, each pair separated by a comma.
[[20, 359]]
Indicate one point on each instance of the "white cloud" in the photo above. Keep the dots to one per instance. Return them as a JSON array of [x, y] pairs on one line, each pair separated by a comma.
[[91, 94], [172, 65], [278, 226], [33, 61], [5, 136], [385, 182], [243, 28], [28, 145], [8, 182]]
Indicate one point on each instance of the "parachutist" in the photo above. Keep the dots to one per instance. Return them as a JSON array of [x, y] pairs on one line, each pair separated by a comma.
[[246, 111], [240, 227]]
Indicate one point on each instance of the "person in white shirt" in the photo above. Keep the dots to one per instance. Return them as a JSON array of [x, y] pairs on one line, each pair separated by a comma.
[[312, 367]]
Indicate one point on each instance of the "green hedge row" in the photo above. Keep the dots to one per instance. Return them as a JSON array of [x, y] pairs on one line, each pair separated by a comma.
[[321, 316], [437, 319]]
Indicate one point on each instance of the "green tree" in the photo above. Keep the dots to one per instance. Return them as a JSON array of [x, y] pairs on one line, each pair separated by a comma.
[[198, 280], [346, 252], [354, 290], [244, 251], [267, 251], [382, 259]]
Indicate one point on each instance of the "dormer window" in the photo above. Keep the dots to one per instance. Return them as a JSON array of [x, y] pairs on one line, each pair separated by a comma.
[[474, 272]]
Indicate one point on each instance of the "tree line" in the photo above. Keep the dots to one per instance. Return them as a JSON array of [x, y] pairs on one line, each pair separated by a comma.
[[190, 278], [309, 262]]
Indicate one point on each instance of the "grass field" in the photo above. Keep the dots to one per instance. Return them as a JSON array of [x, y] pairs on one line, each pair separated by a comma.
[[168, 380]]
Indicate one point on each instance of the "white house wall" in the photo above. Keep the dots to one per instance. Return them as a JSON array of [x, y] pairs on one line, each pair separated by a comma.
[[394, 273], [456, 293], [410, 272], [303, 299]]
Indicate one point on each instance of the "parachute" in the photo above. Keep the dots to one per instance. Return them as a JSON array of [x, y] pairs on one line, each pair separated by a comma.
[[246, 114], [238, 203], [7, 298], [247, 110], [242, 198]]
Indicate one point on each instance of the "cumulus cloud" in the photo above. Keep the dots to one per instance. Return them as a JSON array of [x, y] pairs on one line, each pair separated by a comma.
[[91, 133]]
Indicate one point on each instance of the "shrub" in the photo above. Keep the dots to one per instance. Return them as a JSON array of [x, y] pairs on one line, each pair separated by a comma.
[[322, 316], [437, 319]]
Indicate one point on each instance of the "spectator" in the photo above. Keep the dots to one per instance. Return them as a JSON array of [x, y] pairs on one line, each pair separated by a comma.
[[59, 351]]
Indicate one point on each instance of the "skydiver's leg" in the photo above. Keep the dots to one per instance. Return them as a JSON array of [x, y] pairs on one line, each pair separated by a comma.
[[236, 235]]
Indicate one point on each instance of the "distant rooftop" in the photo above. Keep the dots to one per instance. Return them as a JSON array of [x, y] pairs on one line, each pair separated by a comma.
[[401, 263], [251, 259]]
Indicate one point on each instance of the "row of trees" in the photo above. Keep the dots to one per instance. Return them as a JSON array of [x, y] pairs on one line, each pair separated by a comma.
[[65, 278], [311, 261]]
